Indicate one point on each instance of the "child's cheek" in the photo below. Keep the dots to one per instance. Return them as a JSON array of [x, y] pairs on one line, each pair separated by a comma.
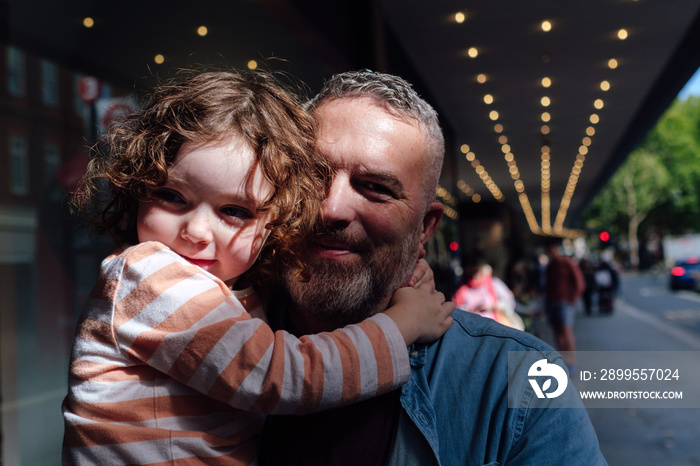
[[257, 241]]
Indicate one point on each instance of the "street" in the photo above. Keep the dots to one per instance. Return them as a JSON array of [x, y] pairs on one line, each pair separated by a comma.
[[651, 294], [647, 317]]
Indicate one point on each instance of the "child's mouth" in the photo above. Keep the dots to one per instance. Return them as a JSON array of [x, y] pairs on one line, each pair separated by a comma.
[[201, 262]]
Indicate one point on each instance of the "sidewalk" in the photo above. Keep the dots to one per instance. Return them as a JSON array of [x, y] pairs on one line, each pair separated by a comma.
[[639, 437]]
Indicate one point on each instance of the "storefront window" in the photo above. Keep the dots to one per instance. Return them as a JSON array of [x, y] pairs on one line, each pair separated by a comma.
[[15, 72], [48, 124], [19, 169], [52, 160], [49, 83]]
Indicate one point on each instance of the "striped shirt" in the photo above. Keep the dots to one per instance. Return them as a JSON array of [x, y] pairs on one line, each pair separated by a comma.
[[168, 367]]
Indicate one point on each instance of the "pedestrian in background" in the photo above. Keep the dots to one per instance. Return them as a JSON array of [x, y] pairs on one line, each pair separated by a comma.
[[564, 287], [607, 282], [485, 294], [588, 270]]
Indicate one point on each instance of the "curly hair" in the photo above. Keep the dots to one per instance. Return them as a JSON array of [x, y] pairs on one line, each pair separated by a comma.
[[211, 107]]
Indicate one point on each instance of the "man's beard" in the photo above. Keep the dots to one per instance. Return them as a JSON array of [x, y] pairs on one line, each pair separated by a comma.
[[339, 293]]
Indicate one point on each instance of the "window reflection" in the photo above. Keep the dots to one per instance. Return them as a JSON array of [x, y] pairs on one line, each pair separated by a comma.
[[47, 261]]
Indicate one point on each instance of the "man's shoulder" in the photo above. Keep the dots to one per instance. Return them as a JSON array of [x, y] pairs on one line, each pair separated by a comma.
[[476, 347], [474, 330]]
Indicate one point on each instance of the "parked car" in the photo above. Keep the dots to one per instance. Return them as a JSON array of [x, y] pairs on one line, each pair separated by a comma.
[[686, 274]]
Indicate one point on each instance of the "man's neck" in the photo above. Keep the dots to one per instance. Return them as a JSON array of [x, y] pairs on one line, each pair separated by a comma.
[[304, 323]]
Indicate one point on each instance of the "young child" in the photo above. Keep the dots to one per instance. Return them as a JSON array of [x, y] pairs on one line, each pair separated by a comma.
[[173, 365]]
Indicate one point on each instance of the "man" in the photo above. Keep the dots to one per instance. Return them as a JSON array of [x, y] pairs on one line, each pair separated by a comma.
[[387, 148], [565, 285]]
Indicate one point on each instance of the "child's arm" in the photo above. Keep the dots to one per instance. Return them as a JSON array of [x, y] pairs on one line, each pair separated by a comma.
[[173, 317], [422, 274], [421, 313]]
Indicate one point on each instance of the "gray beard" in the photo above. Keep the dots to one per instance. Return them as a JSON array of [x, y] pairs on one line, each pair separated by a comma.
[[340, 294]]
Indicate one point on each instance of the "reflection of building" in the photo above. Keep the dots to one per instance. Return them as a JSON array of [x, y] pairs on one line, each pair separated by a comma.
[[43, 152]]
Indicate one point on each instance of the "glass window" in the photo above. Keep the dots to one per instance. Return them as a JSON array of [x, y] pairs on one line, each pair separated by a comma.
[[78, 104], [49, 83], [15, 71], [52, 159], [19, 169]]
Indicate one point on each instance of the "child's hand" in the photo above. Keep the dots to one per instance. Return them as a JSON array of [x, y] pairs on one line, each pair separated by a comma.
[[422, 274], [420, 313]]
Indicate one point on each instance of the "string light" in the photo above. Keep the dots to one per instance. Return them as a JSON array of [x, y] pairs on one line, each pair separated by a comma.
[[449, 199], [547, 223]]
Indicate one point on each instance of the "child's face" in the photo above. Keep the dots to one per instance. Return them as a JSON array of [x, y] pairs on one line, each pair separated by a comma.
[[207, 210]]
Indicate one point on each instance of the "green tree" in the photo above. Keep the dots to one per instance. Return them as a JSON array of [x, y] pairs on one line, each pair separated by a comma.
[[632, 193], [658, 186], [676, 141]]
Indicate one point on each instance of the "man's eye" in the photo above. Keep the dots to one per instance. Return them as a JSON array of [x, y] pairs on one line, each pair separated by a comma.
[[378, 189], [169, 196], [237, 212]]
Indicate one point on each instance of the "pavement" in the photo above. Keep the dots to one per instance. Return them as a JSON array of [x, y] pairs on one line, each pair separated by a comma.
[[638, 436]]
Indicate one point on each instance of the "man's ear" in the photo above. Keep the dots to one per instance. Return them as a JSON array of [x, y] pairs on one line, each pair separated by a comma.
[[431, 221]]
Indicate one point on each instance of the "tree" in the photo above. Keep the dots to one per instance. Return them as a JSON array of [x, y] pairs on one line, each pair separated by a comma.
[[633, 192], [658, 186], [676, 141]]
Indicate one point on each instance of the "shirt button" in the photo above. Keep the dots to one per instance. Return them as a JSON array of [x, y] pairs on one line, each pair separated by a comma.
[[422, 419]]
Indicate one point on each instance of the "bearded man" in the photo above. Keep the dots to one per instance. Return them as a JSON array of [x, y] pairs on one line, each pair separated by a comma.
[[386, 147]]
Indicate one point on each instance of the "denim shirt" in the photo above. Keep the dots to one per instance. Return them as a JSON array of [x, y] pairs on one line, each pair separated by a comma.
[[456, 404]]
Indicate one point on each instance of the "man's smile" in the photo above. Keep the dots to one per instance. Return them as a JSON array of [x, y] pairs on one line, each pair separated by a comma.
[[330, 248]]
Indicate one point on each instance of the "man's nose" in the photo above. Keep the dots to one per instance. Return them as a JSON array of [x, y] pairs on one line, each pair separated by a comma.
[[339, 207], [197, 227]]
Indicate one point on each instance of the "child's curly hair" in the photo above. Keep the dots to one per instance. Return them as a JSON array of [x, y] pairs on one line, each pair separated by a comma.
[[208, 107]]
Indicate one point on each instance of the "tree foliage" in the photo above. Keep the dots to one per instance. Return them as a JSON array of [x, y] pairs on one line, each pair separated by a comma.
[[658, 187]]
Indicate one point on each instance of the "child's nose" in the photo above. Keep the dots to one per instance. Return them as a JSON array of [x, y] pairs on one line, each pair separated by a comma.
[[197, 227]]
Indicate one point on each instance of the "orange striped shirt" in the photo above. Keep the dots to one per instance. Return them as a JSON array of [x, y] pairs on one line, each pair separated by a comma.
[[168, 367]]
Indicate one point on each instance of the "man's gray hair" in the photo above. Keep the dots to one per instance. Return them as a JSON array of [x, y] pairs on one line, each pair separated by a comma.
[[397, 96]]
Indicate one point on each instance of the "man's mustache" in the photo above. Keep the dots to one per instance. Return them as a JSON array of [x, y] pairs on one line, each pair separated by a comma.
[[331, 233]]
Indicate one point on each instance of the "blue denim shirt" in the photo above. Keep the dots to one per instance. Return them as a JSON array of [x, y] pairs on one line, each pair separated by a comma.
[[456, 404]]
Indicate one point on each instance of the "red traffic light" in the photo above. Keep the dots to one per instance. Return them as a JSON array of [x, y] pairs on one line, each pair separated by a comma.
[[454, 246], [604, 236]]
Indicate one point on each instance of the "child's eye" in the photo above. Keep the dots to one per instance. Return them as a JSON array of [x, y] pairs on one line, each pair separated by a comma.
[[167, 195], [237, 212]]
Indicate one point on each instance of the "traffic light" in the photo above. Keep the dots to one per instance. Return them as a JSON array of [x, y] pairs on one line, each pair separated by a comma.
[[604, 236]]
